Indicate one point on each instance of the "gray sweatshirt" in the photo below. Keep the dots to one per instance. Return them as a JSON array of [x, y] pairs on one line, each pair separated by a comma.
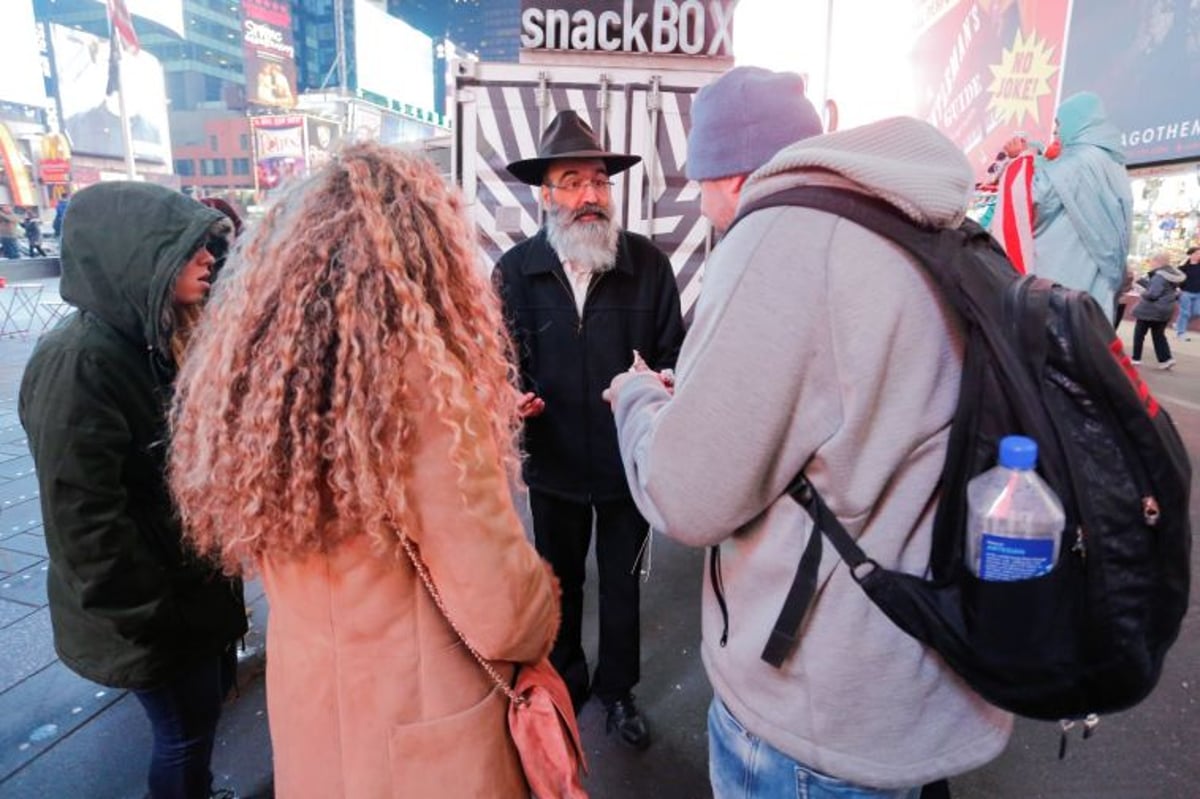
[[817, 342]]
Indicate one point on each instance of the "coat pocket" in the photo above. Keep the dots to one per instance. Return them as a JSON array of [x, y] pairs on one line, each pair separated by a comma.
[[469, 755]]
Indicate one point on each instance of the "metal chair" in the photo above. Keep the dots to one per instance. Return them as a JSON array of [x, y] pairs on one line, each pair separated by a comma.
[[50, 310], [18, 308]]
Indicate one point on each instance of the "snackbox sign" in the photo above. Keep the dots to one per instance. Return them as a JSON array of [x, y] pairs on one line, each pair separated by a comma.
[[654, 27]]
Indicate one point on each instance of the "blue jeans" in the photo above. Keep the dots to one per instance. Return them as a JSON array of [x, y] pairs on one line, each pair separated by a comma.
[[741, 766], [183, 714], [1189, 306], [10, 247]]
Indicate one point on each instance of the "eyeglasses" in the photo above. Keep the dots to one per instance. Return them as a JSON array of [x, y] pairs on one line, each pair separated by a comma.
[[576, 185]]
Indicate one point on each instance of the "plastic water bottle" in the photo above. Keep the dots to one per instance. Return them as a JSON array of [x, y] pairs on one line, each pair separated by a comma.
[[1014, 521]]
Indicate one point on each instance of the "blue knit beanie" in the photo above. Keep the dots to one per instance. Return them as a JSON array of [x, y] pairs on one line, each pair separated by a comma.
[[744, 117]]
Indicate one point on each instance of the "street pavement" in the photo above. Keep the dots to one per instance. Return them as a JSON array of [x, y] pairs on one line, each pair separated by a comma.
[[62, 737]]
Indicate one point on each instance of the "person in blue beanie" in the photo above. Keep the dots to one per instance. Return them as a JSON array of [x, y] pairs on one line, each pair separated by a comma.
[[816, 345], [724, 148]]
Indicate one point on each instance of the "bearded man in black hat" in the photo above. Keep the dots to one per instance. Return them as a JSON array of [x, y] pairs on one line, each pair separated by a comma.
[[583, 299]]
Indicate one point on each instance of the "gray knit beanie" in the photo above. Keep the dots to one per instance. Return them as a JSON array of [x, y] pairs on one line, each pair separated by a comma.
[[744, 117]]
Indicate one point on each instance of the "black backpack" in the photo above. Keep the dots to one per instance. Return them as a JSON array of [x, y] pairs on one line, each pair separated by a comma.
[[1041, 361]]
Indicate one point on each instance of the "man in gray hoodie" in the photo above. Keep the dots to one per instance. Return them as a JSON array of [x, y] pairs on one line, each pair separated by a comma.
[[817, 345]]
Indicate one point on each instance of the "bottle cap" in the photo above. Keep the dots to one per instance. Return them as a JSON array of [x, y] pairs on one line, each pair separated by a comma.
[[1018, 452]]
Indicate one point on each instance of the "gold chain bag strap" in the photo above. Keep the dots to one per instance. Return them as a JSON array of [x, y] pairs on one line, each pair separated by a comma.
[[541, 719]]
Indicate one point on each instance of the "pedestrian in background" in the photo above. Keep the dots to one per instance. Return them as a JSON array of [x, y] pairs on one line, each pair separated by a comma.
[[580, 298], [768, 384], [10, 225], [130, 606], [33, 234], [1154, 308], [346, 394], [60, 213], [1189, 294]]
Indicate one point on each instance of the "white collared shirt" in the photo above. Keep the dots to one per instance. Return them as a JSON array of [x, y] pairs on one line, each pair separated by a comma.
[[580, 278]]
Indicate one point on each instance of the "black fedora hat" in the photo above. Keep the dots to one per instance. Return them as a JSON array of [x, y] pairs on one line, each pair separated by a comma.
[[567, 136]]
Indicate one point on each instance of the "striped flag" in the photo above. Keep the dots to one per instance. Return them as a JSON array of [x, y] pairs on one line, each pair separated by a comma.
[[122, 25], [1012, 224]]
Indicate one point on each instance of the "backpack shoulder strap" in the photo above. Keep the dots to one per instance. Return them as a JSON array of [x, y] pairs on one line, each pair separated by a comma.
[[937, 250], [786, 631]]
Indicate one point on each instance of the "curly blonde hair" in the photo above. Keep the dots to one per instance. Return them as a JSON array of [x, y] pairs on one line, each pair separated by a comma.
[[292, 426]]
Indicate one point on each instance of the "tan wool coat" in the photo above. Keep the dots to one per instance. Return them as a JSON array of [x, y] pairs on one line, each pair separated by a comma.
[[369, 692]]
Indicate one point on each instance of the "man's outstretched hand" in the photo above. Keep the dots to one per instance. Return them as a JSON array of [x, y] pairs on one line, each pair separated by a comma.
[[530, 405]]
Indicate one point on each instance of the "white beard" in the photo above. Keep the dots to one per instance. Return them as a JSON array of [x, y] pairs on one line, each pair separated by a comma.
[[590, 246]]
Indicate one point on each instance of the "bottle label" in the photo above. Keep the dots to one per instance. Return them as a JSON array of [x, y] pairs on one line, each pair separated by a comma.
[[1005, 559]]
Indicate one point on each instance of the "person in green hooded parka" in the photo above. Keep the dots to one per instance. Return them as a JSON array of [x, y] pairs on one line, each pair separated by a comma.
[[131, 607]]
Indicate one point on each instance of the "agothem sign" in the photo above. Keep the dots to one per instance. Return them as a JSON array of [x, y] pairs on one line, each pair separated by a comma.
[[658, 27]]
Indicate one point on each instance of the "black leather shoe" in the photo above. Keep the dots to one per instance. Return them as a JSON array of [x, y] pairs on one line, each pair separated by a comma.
[[626, 719]]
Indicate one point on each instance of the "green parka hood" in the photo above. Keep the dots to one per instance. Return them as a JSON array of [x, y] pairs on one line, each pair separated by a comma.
[[123, 246]]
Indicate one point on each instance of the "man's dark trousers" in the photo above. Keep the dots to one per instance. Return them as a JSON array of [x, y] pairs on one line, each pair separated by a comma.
[[562, 532]]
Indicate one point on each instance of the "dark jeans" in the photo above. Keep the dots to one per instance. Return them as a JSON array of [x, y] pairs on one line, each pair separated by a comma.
[[1158, 334], [9, 247], [562, 531], [183, 714]]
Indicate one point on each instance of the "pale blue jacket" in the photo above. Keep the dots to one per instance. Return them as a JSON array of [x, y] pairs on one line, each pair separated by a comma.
[[1083, 208]]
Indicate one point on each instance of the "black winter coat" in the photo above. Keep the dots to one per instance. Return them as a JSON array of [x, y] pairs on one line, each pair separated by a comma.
[[130, 606], [1157, 303], [568, 360]]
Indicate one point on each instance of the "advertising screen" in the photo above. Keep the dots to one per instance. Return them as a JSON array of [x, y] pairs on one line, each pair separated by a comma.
[[20, 189], [168, 13], [90, 117], [324, 136], [278, 148], [392, 58], [270, 53], [1143, 59], [987, 69], [20, 70]]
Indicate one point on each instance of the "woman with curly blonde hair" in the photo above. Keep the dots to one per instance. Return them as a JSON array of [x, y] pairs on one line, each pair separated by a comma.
[[350, 391]]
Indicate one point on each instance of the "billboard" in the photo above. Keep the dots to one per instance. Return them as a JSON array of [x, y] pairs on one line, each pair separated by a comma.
[[91, 117], [392, 58], [324, 136], [278, 149], [168, 13], [986, 69], [54, 163], [1143, 59], [269, 52], [20, 74], [20, 189], [658, 27]]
